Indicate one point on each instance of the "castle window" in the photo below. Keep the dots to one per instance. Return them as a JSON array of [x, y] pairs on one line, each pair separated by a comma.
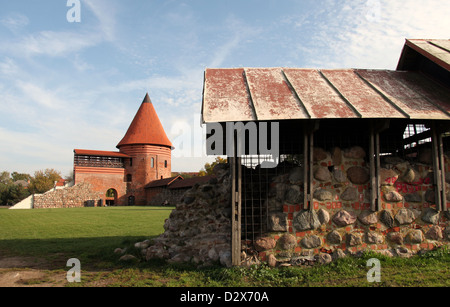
[[165, 164], [129, 178], [152, 165]]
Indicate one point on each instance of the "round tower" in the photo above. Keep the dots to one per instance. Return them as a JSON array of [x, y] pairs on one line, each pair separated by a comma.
[[149, 147]]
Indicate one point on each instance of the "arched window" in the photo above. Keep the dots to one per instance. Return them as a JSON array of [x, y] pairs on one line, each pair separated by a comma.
[[152, 163]]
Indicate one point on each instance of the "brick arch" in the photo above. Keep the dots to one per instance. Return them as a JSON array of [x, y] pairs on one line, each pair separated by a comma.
[[111, 197]]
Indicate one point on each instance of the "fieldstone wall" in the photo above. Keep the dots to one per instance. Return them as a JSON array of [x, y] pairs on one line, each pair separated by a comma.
[[199, 228], [69, 197], [341, 221]]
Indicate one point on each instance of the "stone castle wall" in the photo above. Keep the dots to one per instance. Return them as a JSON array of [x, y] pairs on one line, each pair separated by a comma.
[[199, 228], [70, 197], [340, 222]]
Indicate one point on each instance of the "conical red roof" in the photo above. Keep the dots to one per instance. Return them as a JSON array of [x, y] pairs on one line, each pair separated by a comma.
[[146, 127]]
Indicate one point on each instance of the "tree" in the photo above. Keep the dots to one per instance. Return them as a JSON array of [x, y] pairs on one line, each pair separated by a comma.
[[209, 167], [20, 176], [44, 180], [5, 177], [14, 194], [11, 192]]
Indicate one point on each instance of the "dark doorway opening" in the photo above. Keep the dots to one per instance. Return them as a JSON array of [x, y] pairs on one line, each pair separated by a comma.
[[111, 197]]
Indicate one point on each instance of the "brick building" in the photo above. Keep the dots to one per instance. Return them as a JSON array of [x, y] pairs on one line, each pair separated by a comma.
[[121, 176]]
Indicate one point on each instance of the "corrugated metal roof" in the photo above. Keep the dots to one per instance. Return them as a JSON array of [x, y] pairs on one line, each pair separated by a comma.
[[262, 94]]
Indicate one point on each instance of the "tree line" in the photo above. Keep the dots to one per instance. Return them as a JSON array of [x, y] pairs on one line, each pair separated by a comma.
[[14, 187]]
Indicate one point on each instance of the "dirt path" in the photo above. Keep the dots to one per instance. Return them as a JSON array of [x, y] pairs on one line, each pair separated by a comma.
[[29, 272]]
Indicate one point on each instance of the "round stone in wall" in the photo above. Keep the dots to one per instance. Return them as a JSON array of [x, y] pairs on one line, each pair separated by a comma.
[[312, 241], [344, 218], [306, 220], [358, 175], [334, 237], [287, 241]]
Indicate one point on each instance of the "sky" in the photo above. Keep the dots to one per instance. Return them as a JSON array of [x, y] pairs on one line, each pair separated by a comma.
[[74, 73]]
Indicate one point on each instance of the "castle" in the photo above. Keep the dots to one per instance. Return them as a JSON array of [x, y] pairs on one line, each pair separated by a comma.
[[144, 156]]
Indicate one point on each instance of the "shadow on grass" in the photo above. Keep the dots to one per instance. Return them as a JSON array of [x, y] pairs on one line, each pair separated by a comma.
[[52, 254]]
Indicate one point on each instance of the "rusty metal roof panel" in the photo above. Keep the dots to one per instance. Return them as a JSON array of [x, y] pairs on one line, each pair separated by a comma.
[[227, 98], [363, 98], [317, 96], [406, 96], [271, 95], [433, 92], [248, 94]]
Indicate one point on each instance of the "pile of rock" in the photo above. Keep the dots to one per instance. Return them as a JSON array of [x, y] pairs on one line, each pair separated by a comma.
[[199, 228]]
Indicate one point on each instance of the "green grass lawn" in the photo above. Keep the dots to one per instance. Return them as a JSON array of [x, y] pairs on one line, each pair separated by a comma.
[[77, 231], [92, 234]]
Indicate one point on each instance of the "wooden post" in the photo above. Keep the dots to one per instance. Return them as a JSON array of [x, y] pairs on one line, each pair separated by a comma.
[[373, 179], [377, 169], [376, 127], [308, 161], [437, 170], [311, 173], [305, 169], [442, 163], [236, 198]]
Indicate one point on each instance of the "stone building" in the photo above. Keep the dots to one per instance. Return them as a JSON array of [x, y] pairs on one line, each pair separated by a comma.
[[119, 177]]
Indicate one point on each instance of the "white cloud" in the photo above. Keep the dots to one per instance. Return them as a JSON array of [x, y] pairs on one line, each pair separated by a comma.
[[9, 68], [105, 11], [62, 43], [367, 34], [50, 43], [240, 32], [15, 21], [45, 98]]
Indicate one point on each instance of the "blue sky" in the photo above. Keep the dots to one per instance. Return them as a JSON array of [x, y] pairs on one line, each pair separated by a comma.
[[66, 85]]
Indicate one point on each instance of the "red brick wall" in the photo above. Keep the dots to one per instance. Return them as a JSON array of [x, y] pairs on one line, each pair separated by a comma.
[[141, 168], [103, 179]]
